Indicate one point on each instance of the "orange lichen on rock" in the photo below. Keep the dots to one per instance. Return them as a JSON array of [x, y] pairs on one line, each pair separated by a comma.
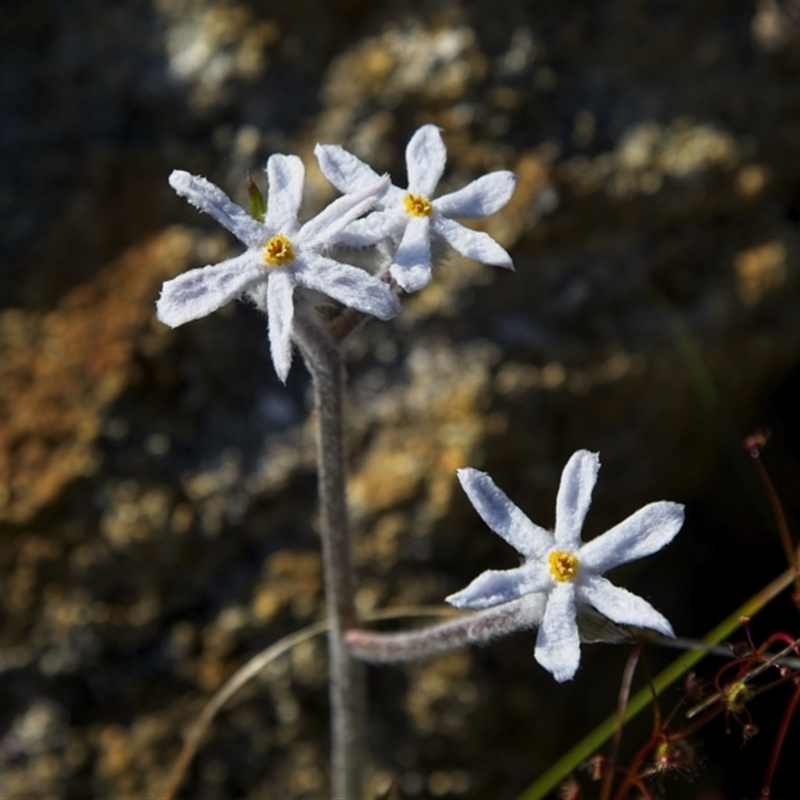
[[60, 371]]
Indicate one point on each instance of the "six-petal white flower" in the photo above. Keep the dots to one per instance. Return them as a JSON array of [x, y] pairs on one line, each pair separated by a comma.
[[561, 566], [280, 252], [413, 214]]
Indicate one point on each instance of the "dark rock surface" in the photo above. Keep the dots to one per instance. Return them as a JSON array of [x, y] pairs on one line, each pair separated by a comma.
[[156, 487]]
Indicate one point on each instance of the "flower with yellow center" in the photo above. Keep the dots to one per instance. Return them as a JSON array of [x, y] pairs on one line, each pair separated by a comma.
[[560, 568], [416, 218], [563, 566], [278, 251], [282, 257], [417, 205]]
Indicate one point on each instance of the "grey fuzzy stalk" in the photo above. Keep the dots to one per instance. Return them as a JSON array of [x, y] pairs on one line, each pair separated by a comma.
[[478, 628], [346, 674]]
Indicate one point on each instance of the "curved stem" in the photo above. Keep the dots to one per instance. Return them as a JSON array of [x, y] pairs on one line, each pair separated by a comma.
[[347, 683], [788, 715], [479, 627], [253, 667]]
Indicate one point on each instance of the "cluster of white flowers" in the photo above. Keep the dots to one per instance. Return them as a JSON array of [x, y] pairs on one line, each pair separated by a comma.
[[560, 574], [283, 254]]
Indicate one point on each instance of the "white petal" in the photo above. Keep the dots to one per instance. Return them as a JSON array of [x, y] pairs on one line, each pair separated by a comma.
[[574, 498], [284, 193], [202, 194], [621, 606], [479, 198], [375, 227], [411, 265], [641, 534], [558, 646], [493, 587], [411, 279], [346, 172], [280, 310], [198, 292], [472, 244], [323, 230], [349, 285], [503, 517], [425, 159]]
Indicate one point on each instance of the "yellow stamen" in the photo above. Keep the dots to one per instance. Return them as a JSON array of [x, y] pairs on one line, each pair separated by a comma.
[[278, 250], [563, 566], [418, 206]]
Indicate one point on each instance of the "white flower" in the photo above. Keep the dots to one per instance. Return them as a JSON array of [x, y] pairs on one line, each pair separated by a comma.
[[560, 565], [280, 252], [412, 214]]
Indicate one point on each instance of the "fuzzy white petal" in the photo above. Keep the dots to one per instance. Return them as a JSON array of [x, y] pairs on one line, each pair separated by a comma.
[[642, 533], [412, 278], [479, 198], [425, 159], [198, 292], [280, 311], [493, 587], [349, 285], [621, 606], [375, 227], [284, 193], [411, 265], [323, 230], [204, 195], [472, 244], [503, 517], [558, 647], [344, 170], [574, 498]]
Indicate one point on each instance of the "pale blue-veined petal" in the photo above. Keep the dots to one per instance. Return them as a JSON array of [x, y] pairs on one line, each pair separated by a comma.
[[472, 244], [198, 292], [642, 533], [620, 605], [558, 645], [425, 159], [503, 517], [375, 227], [574, 498], [479, 198], [280, 313], [344, 170], [207, 197], [284, 193], [324, 229], [493, 587], [411, 264], [351, 286]]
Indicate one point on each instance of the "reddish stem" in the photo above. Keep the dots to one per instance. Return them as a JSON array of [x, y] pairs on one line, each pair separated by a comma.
[[778, 746], [624, 694], [753, 444]]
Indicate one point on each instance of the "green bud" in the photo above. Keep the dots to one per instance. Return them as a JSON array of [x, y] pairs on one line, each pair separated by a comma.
[[258, 205]]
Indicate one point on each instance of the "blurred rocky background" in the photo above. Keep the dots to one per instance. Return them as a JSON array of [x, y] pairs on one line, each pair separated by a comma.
[[157, 523]]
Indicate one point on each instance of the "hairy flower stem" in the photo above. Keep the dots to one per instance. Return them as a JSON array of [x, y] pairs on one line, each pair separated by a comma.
[[478, 628], [346, 675]]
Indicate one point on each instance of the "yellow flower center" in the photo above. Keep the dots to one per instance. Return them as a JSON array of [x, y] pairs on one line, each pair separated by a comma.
[[563, 566], [418, 206], [278, 250]]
